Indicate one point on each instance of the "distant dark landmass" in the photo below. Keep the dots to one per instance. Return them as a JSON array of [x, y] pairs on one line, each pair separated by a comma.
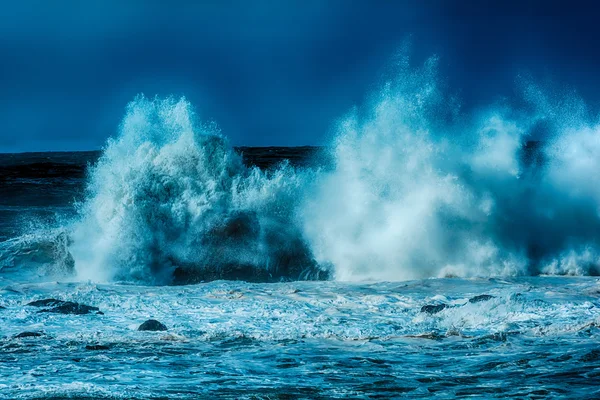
[[64, 165]]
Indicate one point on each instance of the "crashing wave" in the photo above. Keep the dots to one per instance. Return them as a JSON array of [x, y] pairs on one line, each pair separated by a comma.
[[170, 202], [417, 190], [420, 190]]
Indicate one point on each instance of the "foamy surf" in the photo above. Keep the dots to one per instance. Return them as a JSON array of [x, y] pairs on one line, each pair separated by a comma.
[[305, 339]]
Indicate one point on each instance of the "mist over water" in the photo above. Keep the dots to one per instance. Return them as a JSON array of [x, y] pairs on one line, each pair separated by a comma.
[[418, 189]]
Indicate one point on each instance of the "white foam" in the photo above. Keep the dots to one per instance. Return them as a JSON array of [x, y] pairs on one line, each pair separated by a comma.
[[417, 194], [417, 190], [162, 192]]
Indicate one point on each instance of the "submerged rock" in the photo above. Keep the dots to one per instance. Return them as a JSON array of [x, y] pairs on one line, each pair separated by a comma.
[[27, 334], [427, 335], [64, 307], [242, 246], [72, 308], [480, 298], [152, 325], [593, 355], [433, 308], [497, 337], [96, 347]]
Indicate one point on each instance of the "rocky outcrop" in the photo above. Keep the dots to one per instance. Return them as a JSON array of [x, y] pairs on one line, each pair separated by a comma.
[[96, 347], [27, 335], [433, 308], [436, 308], [45, 303], [480, 298], [152, 325], [64, 307]]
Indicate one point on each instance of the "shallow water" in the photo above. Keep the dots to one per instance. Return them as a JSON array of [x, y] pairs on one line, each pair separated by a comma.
[[536, 338]]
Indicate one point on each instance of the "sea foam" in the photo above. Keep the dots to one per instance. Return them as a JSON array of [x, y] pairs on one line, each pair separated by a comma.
[[170, 201], [418, 188]]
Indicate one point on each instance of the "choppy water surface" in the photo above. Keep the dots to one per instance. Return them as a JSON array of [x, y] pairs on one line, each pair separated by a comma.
[[537, 337], [307, 273]]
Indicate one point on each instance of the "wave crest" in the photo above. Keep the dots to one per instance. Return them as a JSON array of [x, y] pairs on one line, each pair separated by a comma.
[[170, 201], [417, 189], [420, 190]]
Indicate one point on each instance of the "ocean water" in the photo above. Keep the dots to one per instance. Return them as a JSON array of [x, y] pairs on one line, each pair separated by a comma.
[[424, 252], [536, 338]]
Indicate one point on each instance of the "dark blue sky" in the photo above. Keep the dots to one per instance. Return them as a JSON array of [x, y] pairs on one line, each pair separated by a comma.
[[268, 72]]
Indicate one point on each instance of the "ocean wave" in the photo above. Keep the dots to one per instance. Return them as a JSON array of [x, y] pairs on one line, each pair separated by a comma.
[[43, 254], [420, 190], [417, 189], [170, 202]]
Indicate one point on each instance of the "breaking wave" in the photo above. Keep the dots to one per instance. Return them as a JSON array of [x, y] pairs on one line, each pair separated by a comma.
[[170, 201], [418, 189]]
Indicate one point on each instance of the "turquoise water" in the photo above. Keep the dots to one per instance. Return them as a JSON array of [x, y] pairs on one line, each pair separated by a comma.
[[535, 338]]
